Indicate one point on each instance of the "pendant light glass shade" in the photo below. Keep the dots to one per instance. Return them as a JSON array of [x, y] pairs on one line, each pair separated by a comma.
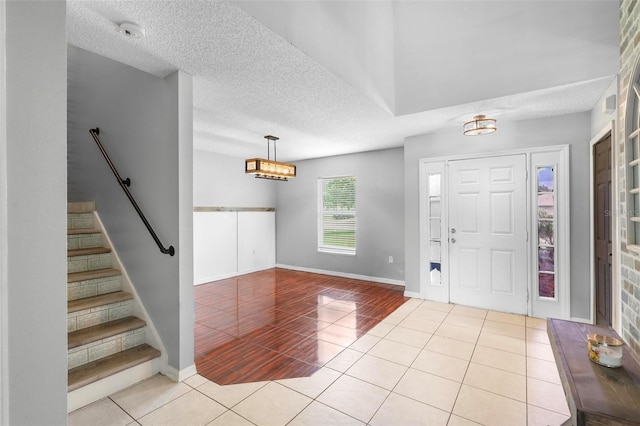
[[270, 169], [480, 125]]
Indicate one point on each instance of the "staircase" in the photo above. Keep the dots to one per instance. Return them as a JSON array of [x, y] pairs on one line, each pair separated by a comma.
[[105, 337]]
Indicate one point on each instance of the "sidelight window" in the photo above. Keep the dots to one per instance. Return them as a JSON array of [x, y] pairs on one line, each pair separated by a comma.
[[435, 220], [546, 217]]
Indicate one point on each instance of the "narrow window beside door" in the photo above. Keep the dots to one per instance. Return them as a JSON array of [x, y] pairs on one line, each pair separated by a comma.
[[546, 232], [435, 218], [337, 215]]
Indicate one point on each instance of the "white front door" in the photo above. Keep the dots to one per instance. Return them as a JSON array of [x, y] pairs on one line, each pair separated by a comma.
[[488, 233]]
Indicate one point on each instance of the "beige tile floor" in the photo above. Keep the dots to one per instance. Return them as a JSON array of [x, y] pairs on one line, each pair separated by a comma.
[[425, 364]]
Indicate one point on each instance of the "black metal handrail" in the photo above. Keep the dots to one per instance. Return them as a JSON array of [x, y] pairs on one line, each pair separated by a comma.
[[124, 184]]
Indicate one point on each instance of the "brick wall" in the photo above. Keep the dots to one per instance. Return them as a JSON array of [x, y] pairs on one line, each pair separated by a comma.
[[630, 265]]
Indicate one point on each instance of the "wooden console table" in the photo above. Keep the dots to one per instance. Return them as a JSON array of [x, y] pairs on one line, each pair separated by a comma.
[[596, 395]]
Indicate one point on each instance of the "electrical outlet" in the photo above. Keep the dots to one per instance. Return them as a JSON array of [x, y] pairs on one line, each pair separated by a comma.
[[390, 259]]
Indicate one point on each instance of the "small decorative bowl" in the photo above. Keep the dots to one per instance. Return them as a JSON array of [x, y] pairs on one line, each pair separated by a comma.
[[605, 350]]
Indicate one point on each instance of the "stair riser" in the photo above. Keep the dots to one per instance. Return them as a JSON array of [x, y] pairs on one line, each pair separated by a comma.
[[95, 287], [84, 241], [79, 220], [100, 315], [102, 348], [90, 262]]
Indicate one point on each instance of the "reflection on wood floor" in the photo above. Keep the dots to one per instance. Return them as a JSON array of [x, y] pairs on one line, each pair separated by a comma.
[[279, 323]]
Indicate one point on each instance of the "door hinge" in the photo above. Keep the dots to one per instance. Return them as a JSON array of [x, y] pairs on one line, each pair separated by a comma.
[[527, 295], [527, 235]]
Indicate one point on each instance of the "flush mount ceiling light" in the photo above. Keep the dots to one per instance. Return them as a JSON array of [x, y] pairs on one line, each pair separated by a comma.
[[480, 125], [131, 30], [270, 169]]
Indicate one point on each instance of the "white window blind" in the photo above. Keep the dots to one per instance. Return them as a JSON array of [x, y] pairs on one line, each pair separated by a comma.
[[337, 215]]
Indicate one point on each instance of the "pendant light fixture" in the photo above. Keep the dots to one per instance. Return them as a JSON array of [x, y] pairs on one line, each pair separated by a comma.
[[480, 125], [270, 169]]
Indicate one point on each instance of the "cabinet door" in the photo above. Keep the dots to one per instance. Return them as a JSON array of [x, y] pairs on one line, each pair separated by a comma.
[[256, 241], [215, 246]]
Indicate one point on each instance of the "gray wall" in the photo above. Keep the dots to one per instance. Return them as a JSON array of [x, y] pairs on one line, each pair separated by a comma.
[[140, 118], [34, 333], [571, 129], [184, 113], [379, 204], [220, 181], [599, 118]]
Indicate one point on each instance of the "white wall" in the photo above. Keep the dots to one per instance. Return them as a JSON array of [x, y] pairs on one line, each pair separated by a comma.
[[185, 220], [33, 206], [573, 129], [380, 215], [146, 128]]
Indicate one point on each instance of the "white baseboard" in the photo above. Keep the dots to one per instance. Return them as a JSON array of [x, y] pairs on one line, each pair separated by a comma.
[[109, 385], [200, 281], [179, 375], [342, 274], [413, 294]]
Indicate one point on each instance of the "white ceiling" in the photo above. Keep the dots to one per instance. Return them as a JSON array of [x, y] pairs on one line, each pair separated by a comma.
[[336, 77]]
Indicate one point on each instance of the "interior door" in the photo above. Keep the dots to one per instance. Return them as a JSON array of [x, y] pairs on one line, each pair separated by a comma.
[[602, 229], [488, 233]]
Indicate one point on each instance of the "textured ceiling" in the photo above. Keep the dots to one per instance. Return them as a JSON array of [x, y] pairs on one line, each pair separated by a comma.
[[331, 84]]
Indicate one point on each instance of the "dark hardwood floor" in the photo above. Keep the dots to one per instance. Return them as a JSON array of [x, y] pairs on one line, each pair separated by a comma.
[[279, 323]]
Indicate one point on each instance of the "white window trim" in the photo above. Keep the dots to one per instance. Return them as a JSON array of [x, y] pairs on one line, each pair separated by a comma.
[[633, 98], [319, 203], [438, 292], [558, 306], [535, 228]]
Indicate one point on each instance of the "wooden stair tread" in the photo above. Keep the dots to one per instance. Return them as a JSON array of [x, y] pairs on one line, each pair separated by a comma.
[[102, 331], [107, 366], [93, 274], [88, 251], [79, 231], [95, 301]]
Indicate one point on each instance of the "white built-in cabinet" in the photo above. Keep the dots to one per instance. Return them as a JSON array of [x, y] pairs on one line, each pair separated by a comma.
[[232, 241]]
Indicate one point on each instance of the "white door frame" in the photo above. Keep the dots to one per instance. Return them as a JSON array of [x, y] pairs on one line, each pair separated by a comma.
[[432, 165], [616, 296]]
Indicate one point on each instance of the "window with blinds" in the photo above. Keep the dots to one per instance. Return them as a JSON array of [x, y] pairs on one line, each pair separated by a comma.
[[633, 162], [337, 215]]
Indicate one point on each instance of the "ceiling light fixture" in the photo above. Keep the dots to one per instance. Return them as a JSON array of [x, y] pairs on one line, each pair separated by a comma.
[[480, 125], [270, 169], [130, 30]]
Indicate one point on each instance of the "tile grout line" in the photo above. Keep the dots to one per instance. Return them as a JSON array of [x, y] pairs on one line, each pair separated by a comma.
[[466, 370], [341, 374]]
